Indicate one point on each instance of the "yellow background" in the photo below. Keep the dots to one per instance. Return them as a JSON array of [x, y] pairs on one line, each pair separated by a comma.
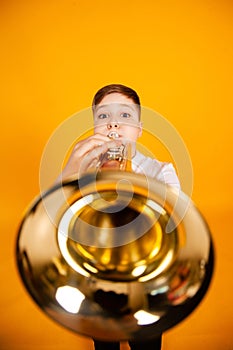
[[177, 55]]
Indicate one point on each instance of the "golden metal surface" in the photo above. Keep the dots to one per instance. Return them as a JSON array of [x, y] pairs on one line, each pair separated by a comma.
[[115, 255]]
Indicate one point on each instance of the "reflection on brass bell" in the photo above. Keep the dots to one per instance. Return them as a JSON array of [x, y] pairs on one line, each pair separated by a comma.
[[115, 255]]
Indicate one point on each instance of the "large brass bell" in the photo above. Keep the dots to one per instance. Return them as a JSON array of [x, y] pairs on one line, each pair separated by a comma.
[[115, 255]]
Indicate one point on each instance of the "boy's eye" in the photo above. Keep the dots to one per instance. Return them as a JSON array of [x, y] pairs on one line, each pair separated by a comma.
[[125, 115], [103, 116]]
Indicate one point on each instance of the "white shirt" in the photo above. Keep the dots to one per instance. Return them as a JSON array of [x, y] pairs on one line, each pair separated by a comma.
[[161, 171]]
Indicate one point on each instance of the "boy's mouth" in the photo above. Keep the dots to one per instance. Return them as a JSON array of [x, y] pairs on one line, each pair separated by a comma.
[[113, 135]]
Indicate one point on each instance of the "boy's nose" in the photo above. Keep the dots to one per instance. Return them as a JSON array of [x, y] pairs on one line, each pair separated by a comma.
[[112, 125]]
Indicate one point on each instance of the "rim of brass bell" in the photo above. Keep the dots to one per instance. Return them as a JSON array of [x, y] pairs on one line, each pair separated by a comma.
[[115, 255]]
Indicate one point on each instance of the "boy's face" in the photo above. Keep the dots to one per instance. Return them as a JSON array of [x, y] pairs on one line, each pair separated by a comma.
[[118, 113]]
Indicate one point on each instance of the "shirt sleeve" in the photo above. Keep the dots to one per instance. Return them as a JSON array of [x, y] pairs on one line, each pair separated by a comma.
[[168, 175], [161, 171]]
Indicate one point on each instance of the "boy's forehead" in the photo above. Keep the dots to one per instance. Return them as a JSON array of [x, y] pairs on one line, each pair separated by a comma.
[[116, 105]]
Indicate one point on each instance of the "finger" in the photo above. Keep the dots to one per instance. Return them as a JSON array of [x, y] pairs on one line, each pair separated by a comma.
[[90, 143], [91, 159], [96, 144]]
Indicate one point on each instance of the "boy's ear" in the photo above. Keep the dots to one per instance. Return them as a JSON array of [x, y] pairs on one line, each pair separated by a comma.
[[140, 130]]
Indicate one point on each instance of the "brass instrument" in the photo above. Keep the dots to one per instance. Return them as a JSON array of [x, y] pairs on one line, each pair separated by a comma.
[[115, 255]]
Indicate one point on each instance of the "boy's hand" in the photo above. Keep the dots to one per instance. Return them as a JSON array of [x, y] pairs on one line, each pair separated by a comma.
[[85, 155]]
